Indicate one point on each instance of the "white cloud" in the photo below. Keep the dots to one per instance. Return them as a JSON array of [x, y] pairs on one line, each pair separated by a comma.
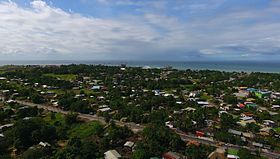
[[40, 31]]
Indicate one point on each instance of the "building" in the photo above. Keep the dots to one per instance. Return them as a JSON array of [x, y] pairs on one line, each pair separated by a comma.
[[129, 144], [232, 157], [96, 87], [112, 154], [263, 94], [173, 155]]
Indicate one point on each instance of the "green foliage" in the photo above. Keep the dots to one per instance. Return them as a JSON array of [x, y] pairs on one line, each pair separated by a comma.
[[37, 99], [253, 127], [230, 99], [71, 118], [245, 154], [66, 77], [27, 112], [78, 149], [227, 121], [197, 152], [26, 133], [140, 154], [156, 140], [37, 153], [86, 130]]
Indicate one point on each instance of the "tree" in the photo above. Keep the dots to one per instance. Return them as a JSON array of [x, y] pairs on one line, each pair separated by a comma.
[[76, 148], [245, 154], [157, 139], [140, 154], [253, 127], [26, 133], [35, 153], [37, 99], [227, 121], [230, 99], [71, 118]]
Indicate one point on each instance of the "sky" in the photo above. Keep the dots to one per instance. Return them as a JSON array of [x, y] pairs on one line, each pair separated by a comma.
[[159, 30]]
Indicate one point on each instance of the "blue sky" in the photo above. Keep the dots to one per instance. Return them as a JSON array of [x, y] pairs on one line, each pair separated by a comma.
[[178, 30]]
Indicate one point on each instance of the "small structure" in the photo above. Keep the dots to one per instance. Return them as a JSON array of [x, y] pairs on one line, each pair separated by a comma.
[[3, 78], [232, 157], [172, 155], [112, 154], [44, 144], [235, 132], [199, 133], [246, 120], [262, 94], [202, 103], [129, 144], [6, 126], [256, 144], [96, 87], [107, 109]]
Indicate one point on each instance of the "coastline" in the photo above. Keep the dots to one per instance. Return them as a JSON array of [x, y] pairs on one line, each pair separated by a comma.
[[227, 66]]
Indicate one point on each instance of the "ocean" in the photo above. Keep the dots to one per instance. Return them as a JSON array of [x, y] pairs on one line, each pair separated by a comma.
[[229, 66]]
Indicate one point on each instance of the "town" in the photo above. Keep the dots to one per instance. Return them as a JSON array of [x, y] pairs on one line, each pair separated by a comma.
[[113, 112]]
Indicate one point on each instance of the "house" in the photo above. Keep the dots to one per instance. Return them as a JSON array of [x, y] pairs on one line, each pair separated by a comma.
[[263, 94], [11, 101], [95, 87], [112, 154], [169, 124], [251, 89], [240, 105], [104, 109], [246, 120], [44, 144], [129, 144], [235, 132], [202, 103], [250, 105], [248, 135], [241, 94], [232, 157], [199, 133], [6, 126], [265, 131], [269, 123], [275, 107], [257, 144], [172, 155], [188, 109]]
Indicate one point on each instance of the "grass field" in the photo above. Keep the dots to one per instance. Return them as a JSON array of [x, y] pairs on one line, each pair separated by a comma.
[[58, 117], [277, 129], [66, 77], [85, 130], [232, 152]]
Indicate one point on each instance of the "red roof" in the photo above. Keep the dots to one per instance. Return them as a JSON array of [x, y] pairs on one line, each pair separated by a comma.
[[241, 105], [170, 155]]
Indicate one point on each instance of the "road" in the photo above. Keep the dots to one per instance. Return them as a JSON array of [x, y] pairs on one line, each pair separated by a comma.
[[187, 137], [136, 128]]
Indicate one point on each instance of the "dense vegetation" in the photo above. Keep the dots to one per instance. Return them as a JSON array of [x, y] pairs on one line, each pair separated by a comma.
[[149, 97]]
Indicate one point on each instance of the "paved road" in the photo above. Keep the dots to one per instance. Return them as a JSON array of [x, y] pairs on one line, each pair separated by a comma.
[[136, 128], [187, 137]]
